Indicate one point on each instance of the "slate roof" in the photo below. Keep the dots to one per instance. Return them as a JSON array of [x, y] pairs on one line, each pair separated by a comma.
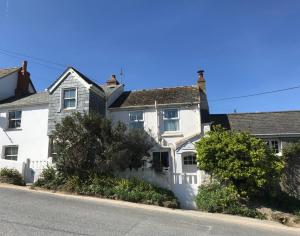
[[32, 99], [87, 79], [260, 123], [6, 71], [186, 94], [108, 90]]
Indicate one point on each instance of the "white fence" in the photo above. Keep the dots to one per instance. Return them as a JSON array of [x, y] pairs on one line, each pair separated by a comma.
[[30, 170]]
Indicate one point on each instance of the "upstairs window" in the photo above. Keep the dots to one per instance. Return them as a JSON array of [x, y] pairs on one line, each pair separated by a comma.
[[14, 119], [190, 160], [69, 98], [171, 120], [11, 153], [136, 119]]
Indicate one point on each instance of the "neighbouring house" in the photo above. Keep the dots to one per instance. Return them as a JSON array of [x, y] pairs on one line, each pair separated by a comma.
[[174, 117]]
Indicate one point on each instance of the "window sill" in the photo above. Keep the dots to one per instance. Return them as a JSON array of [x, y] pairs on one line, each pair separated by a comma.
[[69, 109], [172, 134], [13, 129]]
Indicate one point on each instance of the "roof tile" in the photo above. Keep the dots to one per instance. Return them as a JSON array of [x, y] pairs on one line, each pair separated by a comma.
[[187, 94]]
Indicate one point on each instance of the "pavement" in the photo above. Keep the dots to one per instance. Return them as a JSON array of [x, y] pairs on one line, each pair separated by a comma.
[[30, 212]]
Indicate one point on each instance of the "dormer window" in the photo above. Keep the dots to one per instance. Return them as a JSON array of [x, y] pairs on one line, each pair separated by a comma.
[[69, 98], [136, 120], [14, 119], [171, 120]]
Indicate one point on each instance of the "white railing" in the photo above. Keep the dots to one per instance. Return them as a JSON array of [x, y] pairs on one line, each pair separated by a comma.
[[185, 178]]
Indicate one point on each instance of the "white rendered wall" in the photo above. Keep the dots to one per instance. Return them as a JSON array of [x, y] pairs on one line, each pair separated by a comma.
[[189, 121], [31, 138], [8, 85]]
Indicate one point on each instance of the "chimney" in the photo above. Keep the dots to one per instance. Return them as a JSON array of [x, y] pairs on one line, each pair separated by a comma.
[[201, 81], [23, 81], [112, 81]]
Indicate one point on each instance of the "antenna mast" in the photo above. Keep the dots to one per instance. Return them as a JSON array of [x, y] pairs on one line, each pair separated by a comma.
[[122, 75]]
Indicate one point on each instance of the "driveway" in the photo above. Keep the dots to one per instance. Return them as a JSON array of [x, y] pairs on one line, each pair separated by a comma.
[[24, 212]]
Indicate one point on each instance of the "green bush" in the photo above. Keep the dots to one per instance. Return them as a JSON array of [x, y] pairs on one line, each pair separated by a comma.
[[223, 199], [11, 176], [89, 144], [133, 190], [216, 198], [49, 179], [239, 159]]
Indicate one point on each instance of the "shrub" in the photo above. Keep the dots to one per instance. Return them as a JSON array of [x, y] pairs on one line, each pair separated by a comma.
[[239, 159], [11, 176], [88, 144], [133, 190], [49, 179], [216, 198], [223, 199], [291, 176]]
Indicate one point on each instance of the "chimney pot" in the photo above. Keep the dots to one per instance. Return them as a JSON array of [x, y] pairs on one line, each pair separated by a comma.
[[24, 66]]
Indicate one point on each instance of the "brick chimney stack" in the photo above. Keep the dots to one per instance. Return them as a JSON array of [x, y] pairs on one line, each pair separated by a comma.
[[23, 81], [112, 81], [201, 83]]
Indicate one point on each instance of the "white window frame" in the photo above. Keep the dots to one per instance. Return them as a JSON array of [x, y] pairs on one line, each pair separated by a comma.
[[4, 150], [63, 98], [191, 161], [9, 111], [175, 118], [269, 142], [136, 120]]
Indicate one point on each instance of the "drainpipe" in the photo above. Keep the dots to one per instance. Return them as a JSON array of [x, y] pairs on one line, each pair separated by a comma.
[[157, 121]]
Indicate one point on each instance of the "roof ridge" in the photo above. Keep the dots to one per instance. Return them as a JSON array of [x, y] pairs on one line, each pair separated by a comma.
[[260, 112], [151, 89], [10, 68]]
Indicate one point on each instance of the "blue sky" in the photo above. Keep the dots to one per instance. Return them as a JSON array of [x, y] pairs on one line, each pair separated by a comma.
[[244, 46]]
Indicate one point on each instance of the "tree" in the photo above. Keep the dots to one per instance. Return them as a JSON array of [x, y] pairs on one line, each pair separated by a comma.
[[240, 159], [89, 144]]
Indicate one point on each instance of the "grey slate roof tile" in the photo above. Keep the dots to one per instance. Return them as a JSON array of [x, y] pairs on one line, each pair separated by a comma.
[[186, 94], [283, 122], [32, 99]]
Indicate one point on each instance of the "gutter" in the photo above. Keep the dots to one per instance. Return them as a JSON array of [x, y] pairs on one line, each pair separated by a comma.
[[288, 135]]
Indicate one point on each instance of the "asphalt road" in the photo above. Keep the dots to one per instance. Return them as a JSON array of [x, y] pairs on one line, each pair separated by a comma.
[[31, 213]]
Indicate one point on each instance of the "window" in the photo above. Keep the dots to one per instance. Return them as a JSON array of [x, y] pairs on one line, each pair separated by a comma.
[[171, 120], [14, 119], [69, 98], [190, 160], [136, 120], [160, 160], [52, 150], [274, 145], [11, 153]]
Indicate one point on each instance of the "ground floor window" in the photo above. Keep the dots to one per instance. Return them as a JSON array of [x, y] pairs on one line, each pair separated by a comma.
[[190, 160], [52, 150], [160, 160], [275, 145], [11, 153]]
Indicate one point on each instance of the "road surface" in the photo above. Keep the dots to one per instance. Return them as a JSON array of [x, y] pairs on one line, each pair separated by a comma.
[[24, 212]]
